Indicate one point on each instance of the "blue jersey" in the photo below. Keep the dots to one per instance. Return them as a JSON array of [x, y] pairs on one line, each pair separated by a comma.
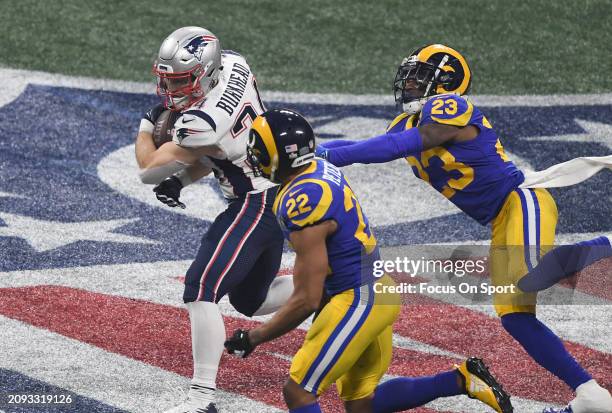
[[475, 175], [322, 193]]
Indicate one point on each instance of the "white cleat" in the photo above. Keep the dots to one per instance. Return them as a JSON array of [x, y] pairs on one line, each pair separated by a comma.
[[194, 406], [591, 398]]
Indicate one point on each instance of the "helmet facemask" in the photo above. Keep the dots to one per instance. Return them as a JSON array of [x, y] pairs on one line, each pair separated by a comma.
[[426, 77], [183, 89], [258, 157], [254, 163]]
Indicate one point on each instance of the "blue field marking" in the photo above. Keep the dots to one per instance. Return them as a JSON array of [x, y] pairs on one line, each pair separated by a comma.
[[13, 383], [52, 139]]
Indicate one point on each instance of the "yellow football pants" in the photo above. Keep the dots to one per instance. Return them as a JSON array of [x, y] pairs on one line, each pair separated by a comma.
[[349, 343], [522, 232]]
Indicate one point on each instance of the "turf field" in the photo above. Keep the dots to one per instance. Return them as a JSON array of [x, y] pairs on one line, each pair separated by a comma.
[[91, 263], [519, 47]]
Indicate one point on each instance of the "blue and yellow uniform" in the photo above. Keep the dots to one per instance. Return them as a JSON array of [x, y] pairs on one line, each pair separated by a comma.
[[475, 175], [478, 177], [350, 341]]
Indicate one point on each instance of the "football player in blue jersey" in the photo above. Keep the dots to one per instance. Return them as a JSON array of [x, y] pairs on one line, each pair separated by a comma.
[[350, 340], [450, 144]]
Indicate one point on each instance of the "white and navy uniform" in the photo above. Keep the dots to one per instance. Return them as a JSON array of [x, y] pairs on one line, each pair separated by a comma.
[[223, 119], [240, 253]]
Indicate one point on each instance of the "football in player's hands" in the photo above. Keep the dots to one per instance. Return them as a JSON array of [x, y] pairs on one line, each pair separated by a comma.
[[162, 130]]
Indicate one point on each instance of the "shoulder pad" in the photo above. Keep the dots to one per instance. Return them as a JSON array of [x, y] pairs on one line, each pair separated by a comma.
[[447, 109], [394, 123], [402, 122], [197, 128], [306, 203], [229, 57]]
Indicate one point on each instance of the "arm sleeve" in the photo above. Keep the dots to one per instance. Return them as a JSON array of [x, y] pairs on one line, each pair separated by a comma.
[[381, 149], [337, 143]]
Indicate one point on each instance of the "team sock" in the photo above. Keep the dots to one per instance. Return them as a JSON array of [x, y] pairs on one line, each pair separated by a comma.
[[545, 348], [405, 393], [311, 408], [207, 337], [564, 261]]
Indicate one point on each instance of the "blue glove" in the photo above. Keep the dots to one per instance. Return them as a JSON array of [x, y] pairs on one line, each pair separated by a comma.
[[321, 151]]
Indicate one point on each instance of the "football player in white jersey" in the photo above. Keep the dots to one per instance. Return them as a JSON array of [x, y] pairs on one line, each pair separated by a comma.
[[216, 95]]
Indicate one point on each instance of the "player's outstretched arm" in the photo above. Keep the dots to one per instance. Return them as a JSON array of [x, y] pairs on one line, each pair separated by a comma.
[[391, 146], [335, 143]]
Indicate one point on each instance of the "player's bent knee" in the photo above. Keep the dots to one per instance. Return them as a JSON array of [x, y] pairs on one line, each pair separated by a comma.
[[244, 305], [295, 396], [360, 405], [503, 310]]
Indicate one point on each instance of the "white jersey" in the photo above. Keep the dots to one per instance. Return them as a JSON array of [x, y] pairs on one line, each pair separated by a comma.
[[223, 119]]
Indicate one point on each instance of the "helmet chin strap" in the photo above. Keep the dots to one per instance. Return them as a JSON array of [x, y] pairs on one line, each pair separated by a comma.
[[413, 107], [179, 103]]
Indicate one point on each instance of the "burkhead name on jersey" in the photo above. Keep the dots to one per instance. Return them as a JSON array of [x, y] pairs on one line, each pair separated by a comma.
[[223, 120]]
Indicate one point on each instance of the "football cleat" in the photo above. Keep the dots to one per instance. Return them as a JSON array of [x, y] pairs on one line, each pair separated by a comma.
[[193, 406], [591, 398], [566, 409], [481, 385]]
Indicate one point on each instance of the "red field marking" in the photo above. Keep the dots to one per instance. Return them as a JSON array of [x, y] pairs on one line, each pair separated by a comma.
[[463, 331], [151, 333], [595, 280], [159, 335]]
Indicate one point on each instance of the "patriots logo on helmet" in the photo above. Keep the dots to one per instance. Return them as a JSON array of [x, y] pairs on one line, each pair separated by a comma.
[[196, 45]]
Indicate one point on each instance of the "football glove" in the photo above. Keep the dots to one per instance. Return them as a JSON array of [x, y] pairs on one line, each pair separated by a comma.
[[168, 191], [154, 113], [321, 151], [239, 344]]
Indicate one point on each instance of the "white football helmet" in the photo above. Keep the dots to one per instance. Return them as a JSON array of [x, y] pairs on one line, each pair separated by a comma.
[[187, 66]]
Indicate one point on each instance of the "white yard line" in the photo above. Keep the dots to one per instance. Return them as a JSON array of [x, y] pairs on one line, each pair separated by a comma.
[[16, 80], [92, 372], [156, 282]]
